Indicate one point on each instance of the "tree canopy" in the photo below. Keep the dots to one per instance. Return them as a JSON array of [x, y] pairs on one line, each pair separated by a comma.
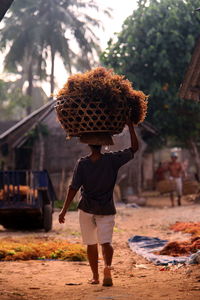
[[13, 103], [153, 50]]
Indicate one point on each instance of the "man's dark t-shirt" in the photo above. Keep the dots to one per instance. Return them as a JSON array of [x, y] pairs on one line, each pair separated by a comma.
[[97, 180]]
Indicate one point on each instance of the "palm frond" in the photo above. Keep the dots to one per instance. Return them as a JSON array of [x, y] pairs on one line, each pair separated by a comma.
[[34, 28]]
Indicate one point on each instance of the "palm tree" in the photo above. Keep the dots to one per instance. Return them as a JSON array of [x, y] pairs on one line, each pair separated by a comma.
[[63, 21], [21, 35], [42, 29]]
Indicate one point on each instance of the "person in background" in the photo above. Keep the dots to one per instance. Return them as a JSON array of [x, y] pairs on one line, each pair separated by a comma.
[[96, 175], [160, 172], [176, 173]]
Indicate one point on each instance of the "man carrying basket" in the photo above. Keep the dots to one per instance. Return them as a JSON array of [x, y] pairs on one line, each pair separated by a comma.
[[96, 176]]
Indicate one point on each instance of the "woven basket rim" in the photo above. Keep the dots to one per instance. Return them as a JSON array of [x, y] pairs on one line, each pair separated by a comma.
[[78, 130], [94, 131], [89, 102]]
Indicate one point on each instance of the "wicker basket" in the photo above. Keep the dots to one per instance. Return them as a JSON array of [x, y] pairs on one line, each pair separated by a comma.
[[165, 186], [190, 187], [78, 118], [98, 102]]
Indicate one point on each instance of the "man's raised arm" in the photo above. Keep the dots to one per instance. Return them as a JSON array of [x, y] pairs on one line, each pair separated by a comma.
[[134, 139]]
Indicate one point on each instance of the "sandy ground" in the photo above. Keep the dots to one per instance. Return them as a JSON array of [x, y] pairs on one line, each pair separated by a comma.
[[134, 277]]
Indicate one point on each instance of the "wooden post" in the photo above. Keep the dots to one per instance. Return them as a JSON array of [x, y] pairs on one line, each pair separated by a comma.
[[41, 145], [62, 183]]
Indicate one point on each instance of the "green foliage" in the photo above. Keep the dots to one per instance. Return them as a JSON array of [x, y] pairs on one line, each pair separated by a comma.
[[72, 207], [153, 50], [34, 133], [58, 204], [3, 89], [13, 102]]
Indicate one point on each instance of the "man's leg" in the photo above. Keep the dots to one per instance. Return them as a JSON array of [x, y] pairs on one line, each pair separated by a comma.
[[92, 253], [179, 187], [107, 251], [105, 225], [89, 236]]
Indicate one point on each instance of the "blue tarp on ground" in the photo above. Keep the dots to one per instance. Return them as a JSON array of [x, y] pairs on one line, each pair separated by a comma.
[[145, 246]]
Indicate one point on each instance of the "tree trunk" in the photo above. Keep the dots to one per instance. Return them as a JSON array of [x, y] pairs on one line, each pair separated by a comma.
[[195, 153], [69, 68], [142, 147], [135, 167], [30, 86], [62, 184], [52, 83]]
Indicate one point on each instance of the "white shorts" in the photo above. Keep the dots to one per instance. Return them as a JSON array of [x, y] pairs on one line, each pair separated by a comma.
[[178, 185], [96, 228]]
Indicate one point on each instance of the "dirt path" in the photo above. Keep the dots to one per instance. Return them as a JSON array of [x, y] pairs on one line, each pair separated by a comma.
[[58, 280]]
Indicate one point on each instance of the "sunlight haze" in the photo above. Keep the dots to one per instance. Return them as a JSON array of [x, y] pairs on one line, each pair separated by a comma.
[[120, 11]]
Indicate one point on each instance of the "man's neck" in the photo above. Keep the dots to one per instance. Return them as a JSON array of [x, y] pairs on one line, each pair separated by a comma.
[[95, 155]]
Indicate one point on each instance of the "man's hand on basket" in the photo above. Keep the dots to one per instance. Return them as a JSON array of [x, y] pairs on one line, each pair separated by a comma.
[[129, 122], [133, 136], [61, 217]]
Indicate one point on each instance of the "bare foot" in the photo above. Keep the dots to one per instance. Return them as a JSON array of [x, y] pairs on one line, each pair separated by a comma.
[[107, 280], [93, 281]]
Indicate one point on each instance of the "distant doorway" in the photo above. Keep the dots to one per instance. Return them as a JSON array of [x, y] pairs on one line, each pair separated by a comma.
[[23, 158]]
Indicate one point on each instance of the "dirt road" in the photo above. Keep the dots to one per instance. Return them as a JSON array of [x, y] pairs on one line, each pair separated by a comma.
[[134, 277]]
